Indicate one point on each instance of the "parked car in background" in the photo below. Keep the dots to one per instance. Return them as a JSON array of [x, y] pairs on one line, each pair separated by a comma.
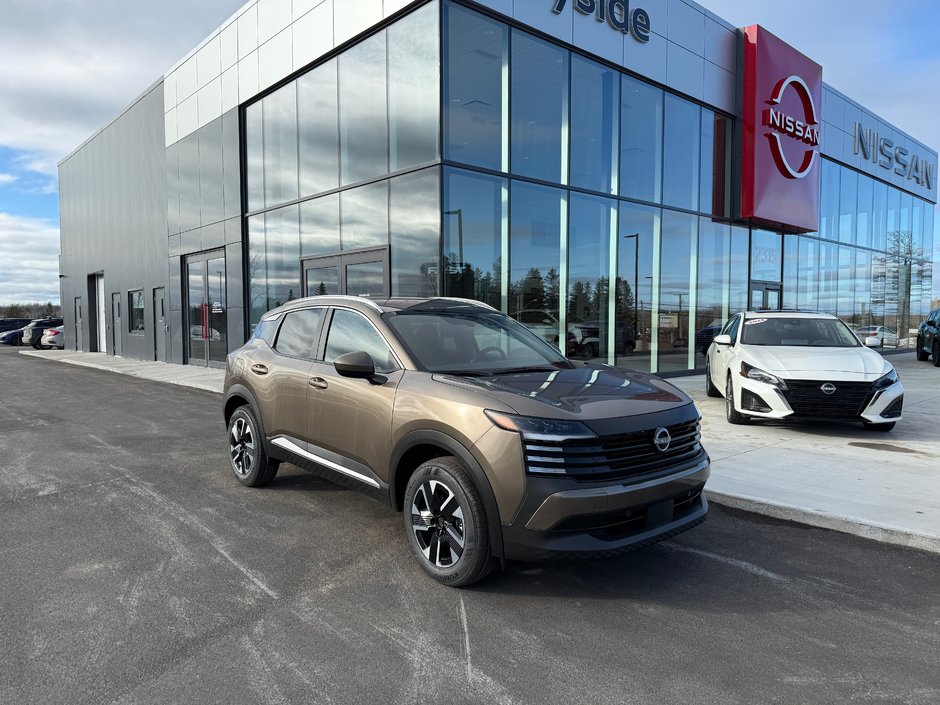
[[32, 333], [887, 336], [792, 365], [12, 337], [491, 443], [7, 324], [928, 338], [705, 337], [53, 338]]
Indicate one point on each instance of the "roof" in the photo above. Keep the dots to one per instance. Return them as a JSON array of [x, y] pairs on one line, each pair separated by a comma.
[[787, 314], [438, 303]]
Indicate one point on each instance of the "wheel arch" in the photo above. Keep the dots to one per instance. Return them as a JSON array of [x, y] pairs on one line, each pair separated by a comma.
[[239, 395], [418, 447]]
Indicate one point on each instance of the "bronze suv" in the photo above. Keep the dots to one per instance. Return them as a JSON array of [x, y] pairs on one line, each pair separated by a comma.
[[492, 443]]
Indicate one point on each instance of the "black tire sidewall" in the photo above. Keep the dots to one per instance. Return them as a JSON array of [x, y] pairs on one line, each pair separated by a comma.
[[253, 478], [476, 554]]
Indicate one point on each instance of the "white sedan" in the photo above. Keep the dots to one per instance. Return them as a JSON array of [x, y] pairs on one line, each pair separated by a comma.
[[778, 365]]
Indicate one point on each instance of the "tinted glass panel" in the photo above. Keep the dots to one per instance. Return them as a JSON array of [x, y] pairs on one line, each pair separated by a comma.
[[413, 88], [363, 113], [740, 257], [681, 140], [416, 234], [273, 260], [298, 334], [714, 280], [280, 145], [319, 226], [366, 279], [218, 328], [848, 196], [638, 229], [135, 306], [474, 214], [766, 256], [595, 101], [319, 130], [475, 120], [676, 263], [641, 140], [592, 224], [365, 216], [863, 221], [539, 108], [254, 149], [322, 280], [829, 201], [351, 332], [535, 250]]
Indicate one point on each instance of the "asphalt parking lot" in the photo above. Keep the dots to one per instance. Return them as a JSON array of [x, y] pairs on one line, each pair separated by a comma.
[[133, 569]]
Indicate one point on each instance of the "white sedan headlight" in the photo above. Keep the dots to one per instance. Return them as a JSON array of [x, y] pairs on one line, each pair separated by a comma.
[[759, 375]]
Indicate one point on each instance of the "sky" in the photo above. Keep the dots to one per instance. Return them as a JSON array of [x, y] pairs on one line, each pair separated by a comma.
[[67, 67]]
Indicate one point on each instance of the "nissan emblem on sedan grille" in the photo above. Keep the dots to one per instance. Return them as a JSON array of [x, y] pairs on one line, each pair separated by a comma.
[[828, 388], [662, 439]]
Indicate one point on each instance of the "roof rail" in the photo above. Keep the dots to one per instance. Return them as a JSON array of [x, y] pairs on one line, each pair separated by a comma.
[[471, 302]]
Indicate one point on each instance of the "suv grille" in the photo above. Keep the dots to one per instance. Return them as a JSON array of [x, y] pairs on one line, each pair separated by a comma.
[[807, 398], [613, 457]]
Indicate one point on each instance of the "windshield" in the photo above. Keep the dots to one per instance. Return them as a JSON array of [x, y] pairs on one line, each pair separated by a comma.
[[798, 332], [477, 343]]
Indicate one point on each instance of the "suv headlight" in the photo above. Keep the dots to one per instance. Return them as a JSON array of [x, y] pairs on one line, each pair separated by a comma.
[[759, 375], [887, 380], [536, 429]]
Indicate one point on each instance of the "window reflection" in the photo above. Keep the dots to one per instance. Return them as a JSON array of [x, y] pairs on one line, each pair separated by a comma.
[[641, 139], [415, 226], [591, 226], [319, 129], [273, 260], [473, 235], [682, 130], [279, 113], [676, 315], [539, 90], [364, 219], [319, 226], [713, 287], [534, 259], [475, 117], [637, 231], [363, 111], [595, 102]]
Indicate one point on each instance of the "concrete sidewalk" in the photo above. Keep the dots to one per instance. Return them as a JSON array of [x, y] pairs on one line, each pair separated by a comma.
[[883, 486]]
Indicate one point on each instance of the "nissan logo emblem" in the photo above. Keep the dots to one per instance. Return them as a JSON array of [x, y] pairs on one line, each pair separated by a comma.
[[662, 439], [828, 388]]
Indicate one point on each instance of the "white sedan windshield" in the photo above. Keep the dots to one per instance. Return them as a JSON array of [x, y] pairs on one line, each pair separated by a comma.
[[798, 332]]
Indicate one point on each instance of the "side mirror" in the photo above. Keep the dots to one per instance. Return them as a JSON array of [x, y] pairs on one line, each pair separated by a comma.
[[872, 342], [358, 365], [723, 339]]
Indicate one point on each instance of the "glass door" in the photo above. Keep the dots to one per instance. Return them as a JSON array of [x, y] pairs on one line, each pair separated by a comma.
[[207, 339], [356, 274], [765, 297]]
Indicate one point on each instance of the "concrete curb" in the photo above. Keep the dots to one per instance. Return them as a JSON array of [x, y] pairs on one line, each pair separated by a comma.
[[847, 525]]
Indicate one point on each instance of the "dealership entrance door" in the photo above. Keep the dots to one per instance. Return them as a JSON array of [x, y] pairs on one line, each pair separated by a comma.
[[356, 274], [765, 296], [204, 287]]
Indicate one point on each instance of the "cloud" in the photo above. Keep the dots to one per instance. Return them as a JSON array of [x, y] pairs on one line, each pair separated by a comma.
[[29, 249], [7, 178]]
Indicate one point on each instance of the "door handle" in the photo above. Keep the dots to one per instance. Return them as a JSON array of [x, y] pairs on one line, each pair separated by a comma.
[[318, 383], [259, 369]]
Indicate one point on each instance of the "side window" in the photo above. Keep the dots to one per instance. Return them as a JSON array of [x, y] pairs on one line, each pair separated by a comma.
[[298, 334], [350, 332]]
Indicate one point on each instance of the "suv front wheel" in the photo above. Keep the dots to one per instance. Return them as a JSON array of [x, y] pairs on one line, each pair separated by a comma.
[[446, 523], [248, 458]]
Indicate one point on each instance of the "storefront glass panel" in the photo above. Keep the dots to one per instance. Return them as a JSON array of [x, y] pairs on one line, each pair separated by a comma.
[[474, 219], [766, 256], [641, 140], [638, 231], [318, 123], [476, 123], [319, 226], [829, 201], [279, 111], [864, 212], [591, 226], [539, 96], [364, 216], [595, 102], [363, 111], [415, 228], [681, 153], [676, 283], [712, 299]]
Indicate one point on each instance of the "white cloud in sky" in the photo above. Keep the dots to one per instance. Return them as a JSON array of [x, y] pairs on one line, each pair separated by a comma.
[[8, 178], [29, 248]]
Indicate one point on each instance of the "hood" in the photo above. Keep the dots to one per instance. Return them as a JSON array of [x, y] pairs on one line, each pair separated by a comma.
[[589, 391], [789, 362]]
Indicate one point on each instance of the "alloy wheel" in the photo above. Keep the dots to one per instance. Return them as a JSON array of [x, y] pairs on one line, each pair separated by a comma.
[[242, 447], [438, 523]]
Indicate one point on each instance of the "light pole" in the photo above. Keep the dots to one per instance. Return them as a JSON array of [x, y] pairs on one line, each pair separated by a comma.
[[459, 213], [636, 276]]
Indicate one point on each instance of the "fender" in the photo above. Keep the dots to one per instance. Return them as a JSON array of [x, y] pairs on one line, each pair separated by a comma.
[[457, 449], [241, 391]]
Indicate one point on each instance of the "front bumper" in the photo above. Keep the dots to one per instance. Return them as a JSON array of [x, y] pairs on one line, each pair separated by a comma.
[[566, 518], [770, 402]]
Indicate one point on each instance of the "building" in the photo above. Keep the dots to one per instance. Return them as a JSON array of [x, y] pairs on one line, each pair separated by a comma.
[[619, 176]]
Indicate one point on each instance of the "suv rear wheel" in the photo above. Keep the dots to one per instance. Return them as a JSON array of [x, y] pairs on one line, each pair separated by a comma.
[[922, 354], [248, 458], [446, 523]]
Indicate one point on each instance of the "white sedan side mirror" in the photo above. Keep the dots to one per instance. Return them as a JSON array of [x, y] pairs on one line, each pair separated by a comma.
[[723, 339], [872, 342]]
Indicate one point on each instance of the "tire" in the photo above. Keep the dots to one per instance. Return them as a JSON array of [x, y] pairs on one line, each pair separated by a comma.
[[884, 427], [922, 354], [936, 353], [442, 508], [248, 458], [710, 389], [732, 414], [35, 346]]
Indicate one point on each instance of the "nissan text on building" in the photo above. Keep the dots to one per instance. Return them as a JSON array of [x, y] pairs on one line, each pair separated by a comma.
[[617, 175]]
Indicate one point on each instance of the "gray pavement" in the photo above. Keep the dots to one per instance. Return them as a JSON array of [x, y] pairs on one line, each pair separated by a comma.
[[882, 486], [134, 569]]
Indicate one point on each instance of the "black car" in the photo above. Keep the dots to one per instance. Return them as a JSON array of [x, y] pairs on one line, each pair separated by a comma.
[[928, 338], [705, 337], [32, 333]]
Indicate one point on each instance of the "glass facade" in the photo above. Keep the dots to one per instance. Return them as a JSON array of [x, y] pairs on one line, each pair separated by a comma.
[[491, 164]]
